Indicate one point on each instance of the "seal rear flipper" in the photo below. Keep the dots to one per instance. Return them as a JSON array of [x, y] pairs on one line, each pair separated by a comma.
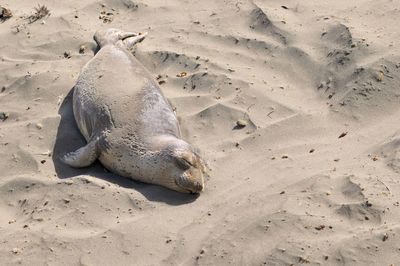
[[83, 156], [131, 41]]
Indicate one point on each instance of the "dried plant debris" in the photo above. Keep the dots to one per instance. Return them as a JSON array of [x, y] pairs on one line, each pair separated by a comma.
[[18, 28], [41, 11], [342, 135], [107, 17], [182, 74], [5, 14], [4, 116]]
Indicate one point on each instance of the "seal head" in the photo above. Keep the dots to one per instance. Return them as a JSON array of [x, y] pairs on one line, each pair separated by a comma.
[[186, 168]]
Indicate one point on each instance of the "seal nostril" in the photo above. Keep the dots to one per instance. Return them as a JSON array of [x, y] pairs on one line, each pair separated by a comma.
[[198, 186]]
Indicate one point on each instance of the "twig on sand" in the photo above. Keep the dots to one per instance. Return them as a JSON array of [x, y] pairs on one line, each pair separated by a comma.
[[384, 185], [41, 11]]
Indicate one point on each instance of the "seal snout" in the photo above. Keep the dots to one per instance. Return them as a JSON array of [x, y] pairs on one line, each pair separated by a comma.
[[189, 165], [195, 187], [190, 185], [198, 187]]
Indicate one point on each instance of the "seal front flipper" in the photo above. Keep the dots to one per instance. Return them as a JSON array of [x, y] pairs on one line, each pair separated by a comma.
[[83, 156]]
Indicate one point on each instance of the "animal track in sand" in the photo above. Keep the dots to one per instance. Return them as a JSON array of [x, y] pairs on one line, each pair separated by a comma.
[[209, 122], [351, 89], [43, 206], [160, 61], [340, 195], [369, 87], [390, 152]]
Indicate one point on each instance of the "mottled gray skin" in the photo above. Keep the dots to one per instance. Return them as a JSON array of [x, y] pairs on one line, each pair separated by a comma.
[[128, 124]]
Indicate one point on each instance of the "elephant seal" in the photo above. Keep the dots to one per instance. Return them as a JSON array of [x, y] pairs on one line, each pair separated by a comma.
[[127, 122]]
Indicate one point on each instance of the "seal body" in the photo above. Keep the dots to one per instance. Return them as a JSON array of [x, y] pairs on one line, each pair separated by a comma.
[[128, 123]]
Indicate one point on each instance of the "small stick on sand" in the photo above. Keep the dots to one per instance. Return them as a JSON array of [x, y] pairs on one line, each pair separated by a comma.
[[384, 185], [40, 12]]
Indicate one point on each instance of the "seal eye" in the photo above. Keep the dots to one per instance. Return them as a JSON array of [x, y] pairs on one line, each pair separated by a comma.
[[184, 161]]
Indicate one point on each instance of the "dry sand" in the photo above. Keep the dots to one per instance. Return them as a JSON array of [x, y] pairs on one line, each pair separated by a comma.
[[290, 188]]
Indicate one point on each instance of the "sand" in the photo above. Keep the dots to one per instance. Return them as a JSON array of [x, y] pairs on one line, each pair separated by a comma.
[[313, 177]]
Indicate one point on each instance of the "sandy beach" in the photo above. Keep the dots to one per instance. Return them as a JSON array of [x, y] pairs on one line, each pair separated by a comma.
[[310, 178]]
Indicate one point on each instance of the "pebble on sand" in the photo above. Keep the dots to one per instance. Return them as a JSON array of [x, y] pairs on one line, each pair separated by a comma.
[[241, 123]]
